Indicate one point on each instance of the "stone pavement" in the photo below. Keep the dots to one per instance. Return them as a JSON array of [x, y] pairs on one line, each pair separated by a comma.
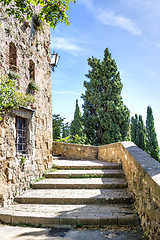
[[25, 233]]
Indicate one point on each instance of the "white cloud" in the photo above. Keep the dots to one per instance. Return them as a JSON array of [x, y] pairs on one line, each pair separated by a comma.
[[87, 3], [66, 93], [108, 17], [152, 73], [67, 44]]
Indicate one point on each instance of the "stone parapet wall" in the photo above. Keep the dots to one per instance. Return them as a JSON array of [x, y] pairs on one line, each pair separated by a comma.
[[143, 176], [75, 151], [142, 173]]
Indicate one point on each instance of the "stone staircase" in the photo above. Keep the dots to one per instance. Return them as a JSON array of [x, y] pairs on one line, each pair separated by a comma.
[[75, 193]]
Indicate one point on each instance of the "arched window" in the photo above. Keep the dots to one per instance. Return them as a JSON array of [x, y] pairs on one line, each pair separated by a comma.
[[31, 70], [12, 56]]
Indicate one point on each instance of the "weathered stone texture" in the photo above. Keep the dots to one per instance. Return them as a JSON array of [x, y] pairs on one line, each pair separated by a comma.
[[143, 176], [75, 151], [142, 173], [31, 46]]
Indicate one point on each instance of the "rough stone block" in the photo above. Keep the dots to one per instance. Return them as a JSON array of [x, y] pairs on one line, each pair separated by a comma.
[[5, 218], [158, 215]]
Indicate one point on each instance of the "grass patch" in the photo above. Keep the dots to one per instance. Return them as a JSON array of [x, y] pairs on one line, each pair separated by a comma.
[[79, 225], [53, 170], [38, 179], [54, 165]]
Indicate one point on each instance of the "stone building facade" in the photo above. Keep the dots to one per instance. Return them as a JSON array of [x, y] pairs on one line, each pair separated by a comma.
[[26, 133]]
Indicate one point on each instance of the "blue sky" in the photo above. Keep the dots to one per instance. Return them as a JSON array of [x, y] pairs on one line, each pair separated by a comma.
[[131, 31]]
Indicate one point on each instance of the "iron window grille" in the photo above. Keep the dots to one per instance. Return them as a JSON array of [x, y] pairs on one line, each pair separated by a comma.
[[21, 134]]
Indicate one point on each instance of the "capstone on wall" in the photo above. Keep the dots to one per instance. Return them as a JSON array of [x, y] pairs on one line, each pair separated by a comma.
[[25, 53]]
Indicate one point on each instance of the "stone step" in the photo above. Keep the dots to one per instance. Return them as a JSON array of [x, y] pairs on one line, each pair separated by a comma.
[[81, 193], [117, 173], [85, 164], [69, 215], [80, 183], [75, 196]]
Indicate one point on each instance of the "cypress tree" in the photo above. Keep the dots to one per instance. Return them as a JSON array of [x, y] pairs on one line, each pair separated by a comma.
[[76, 124], [141, 135], [105, 117], [134, 128], [151, 138]]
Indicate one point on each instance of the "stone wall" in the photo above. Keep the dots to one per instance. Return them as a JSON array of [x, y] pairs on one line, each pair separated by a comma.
[[143, 176], [22, 44], [142, 173], [74, 151]]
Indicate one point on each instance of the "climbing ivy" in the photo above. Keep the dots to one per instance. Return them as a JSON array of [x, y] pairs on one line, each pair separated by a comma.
[[11, 97]]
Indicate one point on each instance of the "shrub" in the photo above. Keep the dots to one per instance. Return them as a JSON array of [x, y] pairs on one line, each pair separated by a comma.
[[74, 139], [33, 86], [11, 97]]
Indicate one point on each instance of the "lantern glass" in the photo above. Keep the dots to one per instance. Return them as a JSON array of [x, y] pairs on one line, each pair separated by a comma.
[[54, 59]]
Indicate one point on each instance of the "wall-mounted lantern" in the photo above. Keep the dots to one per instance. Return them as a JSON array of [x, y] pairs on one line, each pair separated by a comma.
[[54, 60]]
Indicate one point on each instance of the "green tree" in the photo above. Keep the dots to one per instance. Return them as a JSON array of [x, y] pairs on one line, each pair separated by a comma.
[[51, 11], [105, 117], [66, 130], [151, 137], [134, 128], [57, 125], [138, 133], [76, 124], [141, 134]]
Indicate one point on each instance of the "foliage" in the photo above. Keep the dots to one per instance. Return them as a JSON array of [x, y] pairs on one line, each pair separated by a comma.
[[76, 124], [151, 138], [65, 129], [11, 97], [141, 134], [13, 75], [105, 117], [51, 11], [57, 124], [37, 22], [74, 139], [145, 137], [134, 126], [33, 86], [138, 132], [60, 129], [23, 159]]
